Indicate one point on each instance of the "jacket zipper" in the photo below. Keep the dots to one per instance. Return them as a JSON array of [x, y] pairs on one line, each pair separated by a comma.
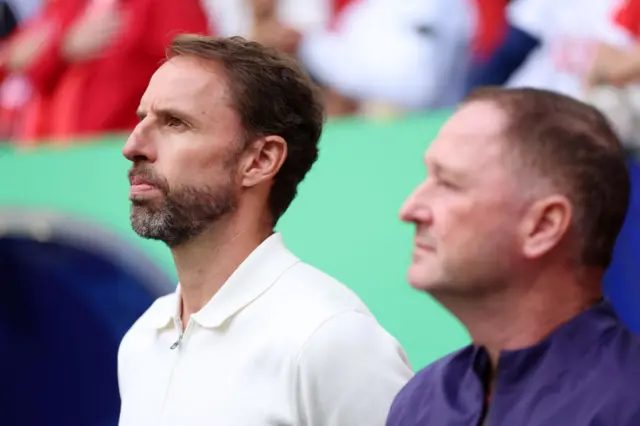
[[487, 407]]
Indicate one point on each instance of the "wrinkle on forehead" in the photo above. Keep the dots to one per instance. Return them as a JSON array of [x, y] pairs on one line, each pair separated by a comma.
[[190, 84], [472, 139], [478, 117], [472, 145], [487, 122]]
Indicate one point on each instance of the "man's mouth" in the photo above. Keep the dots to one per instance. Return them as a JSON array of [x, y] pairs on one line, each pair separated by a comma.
[[423, 245], [140, 186]]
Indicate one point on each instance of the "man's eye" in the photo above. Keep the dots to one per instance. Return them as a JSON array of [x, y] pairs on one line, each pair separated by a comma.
[[174, 122], [445, 183]]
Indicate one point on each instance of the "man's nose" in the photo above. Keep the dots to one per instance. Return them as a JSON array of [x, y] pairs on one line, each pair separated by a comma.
[[139, 146], [415, 208]]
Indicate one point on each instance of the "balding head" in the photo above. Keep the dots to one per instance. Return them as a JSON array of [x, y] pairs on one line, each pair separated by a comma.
[[571, 145], [519, 181]]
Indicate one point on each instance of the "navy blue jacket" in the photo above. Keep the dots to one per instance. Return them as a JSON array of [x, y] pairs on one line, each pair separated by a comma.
[[586, 373]]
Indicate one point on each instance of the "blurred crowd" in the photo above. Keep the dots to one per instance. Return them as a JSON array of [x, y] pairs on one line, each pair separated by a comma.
[[74, 69]]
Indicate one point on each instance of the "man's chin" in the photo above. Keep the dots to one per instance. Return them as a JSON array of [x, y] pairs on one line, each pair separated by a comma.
[[146, 232], [415, 277], [421, 278]]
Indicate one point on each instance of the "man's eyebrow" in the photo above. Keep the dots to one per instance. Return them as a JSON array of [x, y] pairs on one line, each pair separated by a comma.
[[437, 168], [166, 112]]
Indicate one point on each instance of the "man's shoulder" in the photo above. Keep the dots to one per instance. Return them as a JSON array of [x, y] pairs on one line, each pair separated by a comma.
[[439, 369], [314, 307], [430, 379], [158, 315], [319, 295], [618, 355], [618, 372], [604, 376]]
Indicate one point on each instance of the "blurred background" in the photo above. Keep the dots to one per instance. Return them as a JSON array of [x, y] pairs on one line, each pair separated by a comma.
[[74, 277]]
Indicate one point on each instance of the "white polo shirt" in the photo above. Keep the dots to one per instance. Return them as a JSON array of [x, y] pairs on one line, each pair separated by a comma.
[[281, 344]]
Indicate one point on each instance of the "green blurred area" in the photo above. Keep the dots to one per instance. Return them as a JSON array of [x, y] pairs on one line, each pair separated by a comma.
[[344, 220]]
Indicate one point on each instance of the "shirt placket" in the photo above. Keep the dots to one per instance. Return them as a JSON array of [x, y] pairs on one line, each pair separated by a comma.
[[179, 347]]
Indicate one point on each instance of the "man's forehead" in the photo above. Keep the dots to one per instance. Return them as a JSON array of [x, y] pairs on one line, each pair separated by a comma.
[[479, 119], [184, 81], [472, 138]]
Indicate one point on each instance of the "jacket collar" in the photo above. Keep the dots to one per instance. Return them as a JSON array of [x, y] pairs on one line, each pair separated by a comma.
[[570, 341]]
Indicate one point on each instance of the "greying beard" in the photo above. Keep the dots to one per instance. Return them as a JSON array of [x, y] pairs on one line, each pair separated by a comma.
[[183, 214]]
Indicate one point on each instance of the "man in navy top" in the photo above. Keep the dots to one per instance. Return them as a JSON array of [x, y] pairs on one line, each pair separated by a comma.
[[515, 225]]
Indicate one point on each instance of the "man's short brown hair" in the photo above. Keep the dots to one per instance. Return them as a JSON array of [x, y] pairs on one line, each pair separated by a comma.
[[272, 96], [572, 145]]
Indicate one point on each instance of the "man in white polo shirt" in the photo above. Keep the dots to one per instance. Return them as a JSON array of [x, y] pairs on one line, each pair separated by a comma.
[[252, 336]]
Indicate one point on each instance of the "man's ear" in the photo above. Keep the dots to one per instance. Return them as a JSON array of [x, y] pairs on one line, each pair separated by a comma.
[[263, 160], [545, 225]]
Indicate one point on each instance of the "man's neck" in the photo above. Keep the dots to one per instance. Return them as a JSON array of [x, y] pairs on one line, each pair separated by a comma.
[[512, 320], [205, 263]]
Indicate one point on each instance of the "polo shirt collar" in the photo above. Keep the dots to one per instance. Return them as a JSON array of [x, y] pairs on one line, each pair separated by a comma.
[[255, 275]]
